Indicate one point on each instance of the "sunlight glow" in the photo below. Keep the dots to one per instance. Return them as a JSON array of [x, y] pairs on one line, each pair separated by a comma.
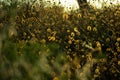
[[102, 3], [70, 4], [67, 4]]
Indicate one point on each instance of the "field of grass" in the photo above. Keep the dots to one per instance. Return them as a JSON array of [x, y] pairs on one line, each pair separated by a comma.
[[38, 43]]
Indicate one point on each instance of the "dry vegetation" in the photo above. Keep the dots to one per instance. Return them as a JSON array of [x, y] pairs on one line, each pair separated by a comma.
[[40, 43]]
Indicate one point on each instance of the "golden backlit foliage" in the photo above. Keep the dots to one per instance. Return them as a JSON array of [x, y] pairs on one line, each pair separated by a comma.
[[99, 29], [84, 36]]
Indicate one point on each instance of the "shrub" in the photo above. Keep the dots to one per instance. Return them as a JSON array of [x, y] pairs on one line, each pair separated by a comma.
[[57, 45]]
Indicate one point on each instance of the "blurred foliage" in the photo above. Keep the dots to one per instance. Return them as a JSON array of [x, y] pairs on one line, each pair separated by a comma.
[[41, 43]]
